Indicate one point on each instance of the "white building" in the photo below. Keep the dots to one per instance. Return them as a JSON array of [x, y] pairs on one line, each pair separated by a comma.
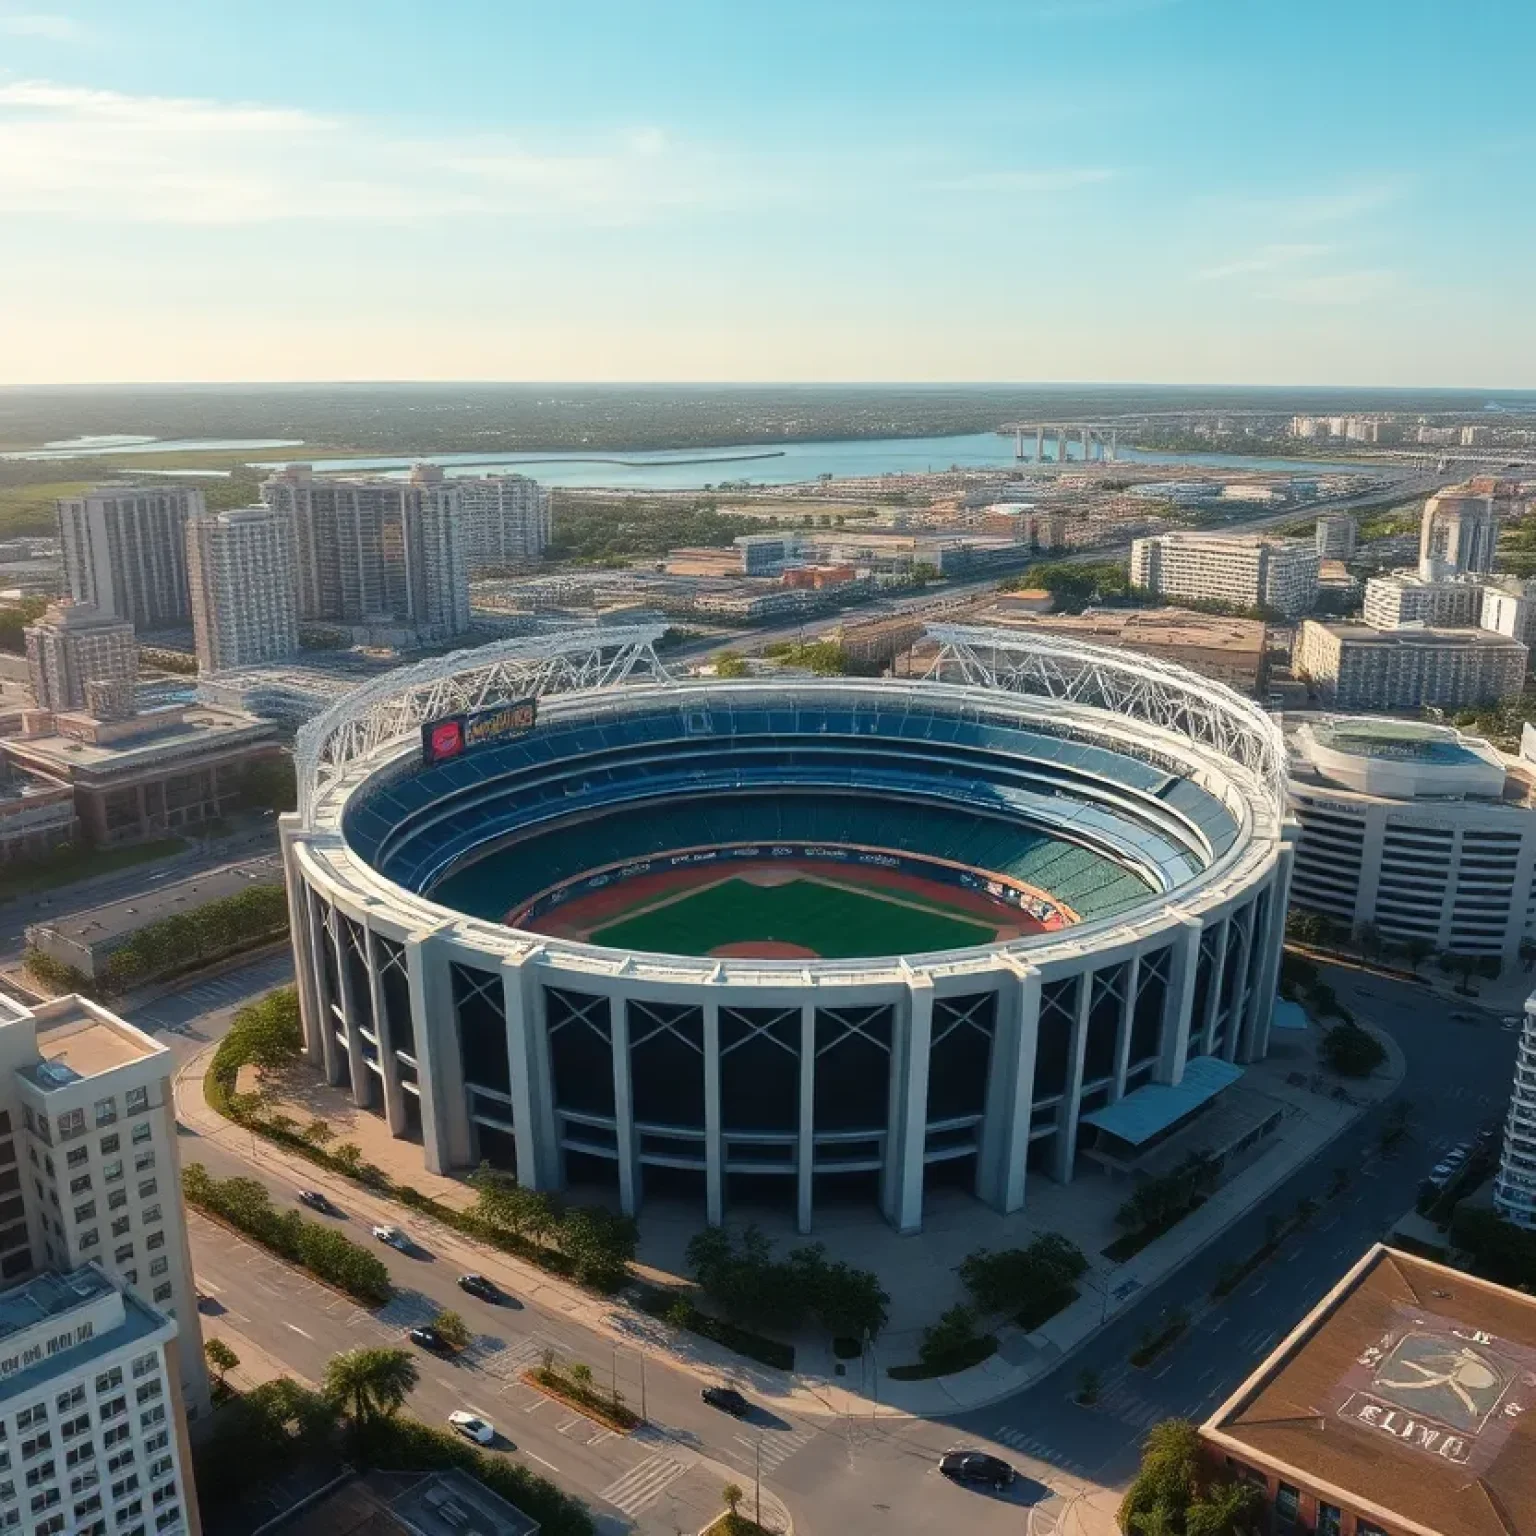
[[91, 1411], [90, 1128], [1355, 667], [765, 554], [1514, 1191], [125, 551], [505, 518], [1415, 829], [74, 644], [1460, 528], [1403, 598], [244, 585], [383, 559], [1244, 570]]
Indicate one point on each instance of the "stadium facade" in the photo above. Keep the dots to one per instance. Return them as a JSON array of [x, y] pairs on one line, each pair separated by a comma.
[[1139, 807]]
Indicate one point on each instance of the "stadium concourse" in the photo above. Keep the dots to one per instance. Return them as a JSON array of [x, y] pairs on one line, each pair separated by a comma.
[[775, 942]]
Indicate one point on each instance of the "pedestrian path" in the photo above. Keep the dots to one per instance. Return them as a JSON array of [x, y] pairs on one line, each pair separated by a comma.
[[641, 1485], [1032, 1445], [776, 1449]]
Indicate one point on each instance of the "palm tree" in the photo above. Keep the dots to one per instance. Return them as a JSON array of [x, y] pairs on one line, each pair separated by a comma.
[[366, 1383], [731, 1495]]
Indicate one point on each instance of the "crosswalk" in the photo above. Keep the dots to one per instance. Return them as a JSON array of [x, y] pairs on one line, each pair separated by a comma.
[[1032, 1445], [776, 1449], [642, 1484]]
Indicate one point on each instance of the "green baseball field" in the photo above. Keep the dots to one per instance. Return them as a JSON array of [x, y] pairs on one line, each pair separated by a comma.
[[797, 917]]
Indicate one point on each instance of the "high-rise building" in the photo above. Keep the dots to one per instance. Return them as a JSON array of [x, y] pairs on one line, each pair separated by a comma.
[[244, 584], [73, 645], [1245, 570], [505, 520], [1460, 530], [91, 1411], [1336, 535], [385, 557], [88, 1129], [1402, 598], [1514, 1191], [1355, 667], [125, 551]]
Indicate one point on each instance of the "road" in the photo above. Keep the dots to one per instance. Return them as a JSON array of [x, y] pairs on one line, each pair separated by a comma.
[[839, 1473]]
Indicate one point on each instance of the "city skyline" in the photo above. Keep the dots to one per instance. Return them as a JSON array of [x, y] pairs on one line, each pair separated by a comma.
[[1149, 190]]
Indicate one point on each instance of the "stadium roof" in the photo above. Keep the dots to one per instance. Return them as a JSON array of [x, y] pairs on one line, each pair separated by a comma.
[[1152, 1108]]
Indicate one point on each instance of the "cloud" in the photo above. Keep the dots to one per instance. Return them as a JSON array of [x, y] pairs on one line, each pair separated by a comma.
[[1337, 288], [51, 29], [1061, 180], [1269, 258]]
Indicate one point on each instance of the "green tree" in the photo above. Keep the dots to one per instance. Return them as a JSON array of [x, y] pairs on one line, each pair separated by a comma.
[[731, 1495], [1351, 1051], [454, 1330], [221, 1357], [599, 1245], [1225, 1509], [730, 664], [370, 1383], [1419, 949], [949, 1339]]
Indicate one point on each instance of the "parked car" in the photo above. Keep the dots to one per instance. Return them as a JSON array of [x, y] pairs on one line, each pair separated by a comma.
[[727, 1400], [392, 1236], [314, 1200], [1512, 1020], [964, 1466], [472, 1426], [478, 1285], [429, 1338]]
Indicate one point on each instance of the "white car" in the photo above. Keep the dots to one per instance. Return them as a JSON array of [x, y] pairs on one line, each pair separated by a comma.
[[393, 1236], [472, 1426]]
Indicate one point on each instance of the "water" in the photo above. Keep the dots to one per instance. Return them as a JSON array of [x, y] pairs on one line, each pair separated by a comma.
[[790, 463], [100, 447]]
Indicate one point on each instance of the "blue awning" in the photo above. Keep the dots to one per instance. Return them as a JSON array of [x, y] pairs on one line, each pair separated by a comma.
[[1140, 1115]]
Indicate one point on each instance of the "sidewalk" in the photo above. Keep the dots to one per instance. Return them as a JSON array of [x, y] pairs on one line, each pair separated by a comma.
[[1313, 1121]]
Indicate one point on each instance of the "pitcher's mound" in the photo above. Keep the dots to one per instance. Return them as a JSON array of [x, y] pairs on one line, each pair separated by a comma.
[[763, 949]]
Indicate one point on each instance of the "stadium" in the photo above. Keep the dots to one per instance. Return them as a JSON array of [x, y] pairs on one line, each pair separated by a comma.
[[786, 941]]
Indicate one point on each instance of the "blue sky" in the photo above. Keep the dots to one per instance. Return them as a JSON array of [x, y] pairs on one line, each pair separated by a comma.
[[1244, 191]]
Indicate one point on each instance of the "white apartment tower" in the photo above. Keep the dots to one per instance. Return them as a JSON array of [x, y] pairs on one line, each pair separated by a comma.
[[1336, 536], [505, 520], [1246, 571], [1514, 1191], [244, 585], [381, 556], [73, 645], [1460, 530], [125, 551], [89, 1167]]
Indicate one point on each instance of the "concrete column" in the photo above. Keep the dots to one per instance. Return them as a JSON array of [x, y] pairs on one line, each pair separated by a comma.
[[439, 1065], [517, 1003], [907, 1135], [543, 1125], [1178, 1004], [1039, 445], [714, 1136], [1000, 1168], [301, 935], [1207, 1025], [357, 1063], [1072, 1097], [1237, 1023], [1124, 1026], [624, 1109], [393, 1093], [1274, 943], [805, 1143]]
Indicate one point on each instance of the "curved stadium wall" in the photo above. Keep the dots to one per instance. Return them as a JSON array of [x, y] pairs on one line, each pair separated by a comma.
[[1138, 807]]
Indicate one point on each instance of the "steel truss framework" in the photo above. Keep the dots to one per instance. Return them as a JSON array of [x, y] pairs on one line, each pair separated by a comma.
[[394, 707], [1125, 684]]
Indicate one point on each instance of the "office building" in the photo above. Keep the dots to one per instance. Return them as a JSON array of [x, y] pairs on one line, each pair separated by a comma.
[[505, 518], [1460, 530], [244, 586], [1416, 830], [383, 559], [91, 1139], [72, 645], [1403, 598], [1336, 536], [1399, 1406], [1247, 571], [125, 551], [1355, 667], [1514, 1191], [91, 1411], [765, 554], [37, 814], [1508, 607]]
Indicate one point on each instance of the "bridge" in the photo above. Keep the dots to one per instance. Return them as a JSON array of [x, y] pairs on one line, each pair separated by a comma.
[[1094, 441]]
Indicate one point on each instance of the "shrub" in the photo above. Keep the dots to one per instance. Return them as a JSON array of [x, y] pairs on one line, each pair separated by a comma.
[[1351, 1051], [1032, 1283]]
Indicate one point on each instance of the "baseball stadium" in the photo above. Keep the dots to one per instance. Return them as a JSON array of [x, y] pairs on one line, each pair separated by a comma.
[[787, 940]]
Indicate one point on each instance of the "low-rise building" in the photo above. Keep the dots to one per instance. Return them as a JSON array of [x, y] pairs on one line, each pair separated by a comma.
[[155, 773], [1357, 667], [1401, 1405], [765, 554], [1416, 830], [37, 814], [447, 1503], [1244, 570]]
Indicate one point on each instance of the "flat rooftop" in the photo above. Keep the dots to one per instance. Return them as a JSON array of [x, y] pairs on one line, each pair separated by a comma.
[[200, 729], [76, 1043], [1406, 1393], [121, 919], [448, 1503], [49, 1295]]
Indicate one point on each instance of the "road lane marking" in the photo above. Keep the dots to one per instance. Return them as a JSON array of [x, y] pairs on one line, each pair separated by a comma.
[[643, 1484], [295, 1327], [569, 1424], [534, 1456]]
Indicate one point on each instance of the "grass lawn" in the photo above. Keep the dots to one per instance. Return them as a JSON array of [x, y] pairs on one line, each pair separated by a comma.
[[81, 864], [834, 923], [29, 509]]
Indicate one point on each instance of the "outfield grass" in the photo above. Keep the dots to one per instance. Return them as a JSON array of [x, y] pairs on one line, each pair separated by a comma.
[[834, 923]]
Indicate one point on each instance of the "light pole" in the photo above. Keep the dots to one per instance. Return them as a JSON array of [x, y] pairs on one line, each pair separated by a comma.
[[645, 1418], [759, 1516]]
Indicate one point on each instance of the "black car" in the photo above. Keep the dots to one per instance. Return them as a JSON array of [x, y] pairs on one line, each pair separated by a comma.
[[314, 1200], [429, 1338], [478, 1285], [727, 1400], [976, 1467]]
